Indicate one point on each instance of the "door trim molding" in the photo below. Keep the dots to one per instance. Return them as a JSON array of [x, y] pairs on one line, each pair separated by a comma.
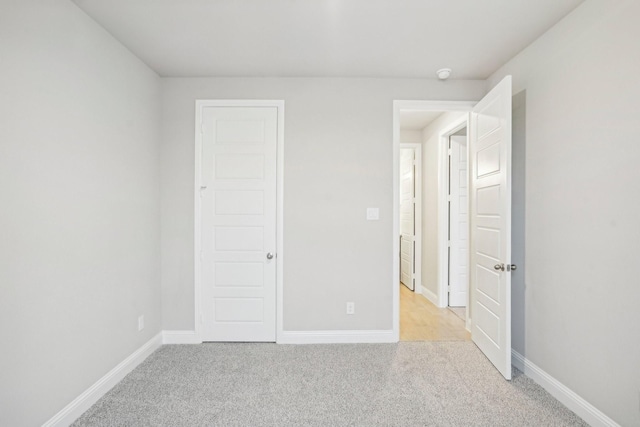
[[399, 105], [279, 105]]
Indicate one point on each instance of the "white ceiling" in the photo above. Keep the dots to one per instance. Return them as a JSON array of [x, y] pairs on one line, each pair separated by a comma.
[[322, 38], [417, 120]]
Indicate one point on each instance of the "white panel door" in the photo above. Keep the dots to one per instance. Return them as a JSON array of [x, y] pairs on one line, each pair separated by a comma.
[[407, 217], [490, 169], [239, 223], [458, 222]]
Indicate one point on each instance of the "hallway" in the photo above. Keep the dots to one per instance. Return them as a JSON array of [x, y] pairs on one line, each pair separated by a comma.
[[420, 320]]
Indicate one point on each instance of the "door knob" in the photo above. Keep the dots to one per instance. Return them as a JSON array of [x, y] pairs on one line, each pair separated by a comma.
[[269, 255], [499, 267], [512, 267]]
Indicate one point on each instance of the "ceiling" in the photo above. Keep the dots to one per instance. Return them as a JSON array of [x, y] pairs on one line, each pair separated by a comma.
[[326, 38], [417, 119]]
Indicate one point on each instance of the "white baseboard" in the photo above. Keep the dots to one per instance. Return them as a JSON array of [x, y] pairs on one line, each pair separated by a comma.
[[180, 337], [430, 296], [80, 404], [566, 396], [336, 337]]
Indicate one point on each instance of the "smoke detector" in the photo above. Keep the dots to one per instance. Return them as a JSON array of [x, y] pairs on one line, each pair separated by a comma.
[[443, 73]]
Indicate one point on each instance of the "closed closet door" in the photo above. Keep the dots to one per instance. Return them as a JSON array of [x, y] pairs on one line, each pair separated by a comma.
[[239, 223]]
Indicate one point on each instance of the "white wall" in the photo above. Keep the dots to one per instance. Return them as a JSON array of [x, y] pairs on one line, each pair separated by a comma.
[[79, 223], [410, 136], [581, 321], [430, 164], [338, 161]]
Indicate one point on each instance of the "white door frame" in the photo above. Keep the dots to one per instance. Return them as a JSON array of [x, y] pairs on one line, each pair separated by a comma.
[[443, 211], [200, 104], [399, 105], [417, 183]]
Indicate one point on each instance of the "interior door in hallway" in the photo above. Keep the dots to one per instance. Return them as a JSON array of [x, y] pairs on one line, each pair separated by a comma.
[[490, 192], [407, 217], [458, 222], [239, 223]]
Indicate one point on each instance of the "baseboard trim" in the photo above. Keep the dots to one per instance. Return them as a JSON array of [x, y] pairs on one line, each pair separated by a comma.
[[82, 403], [180, 337], [336, 337], [565, 395], [430, 296]]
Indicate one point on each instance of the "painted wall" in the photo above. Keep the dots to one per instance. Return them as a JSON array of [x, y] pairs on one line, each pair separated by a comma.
[[338, 162], [410, 136], [79, 223], [581, 321], [430, 161]]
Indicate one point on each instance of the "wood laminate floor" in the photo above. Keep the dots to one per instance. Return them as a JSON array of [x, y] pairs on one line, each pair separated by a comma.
[[420, 320]]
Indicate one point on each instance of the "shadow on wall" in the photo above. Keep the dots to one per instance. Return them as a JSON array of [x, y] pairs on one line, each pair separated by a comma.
[[518, 186]]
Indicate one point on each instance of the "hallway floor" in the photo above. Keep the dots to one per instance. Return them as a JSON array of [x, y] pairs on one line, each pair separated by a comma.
[[420, 320]]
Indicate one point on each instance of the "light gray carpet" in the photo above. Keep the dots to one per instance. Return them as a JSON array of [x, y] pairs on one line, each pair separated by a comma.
[[405, 384]]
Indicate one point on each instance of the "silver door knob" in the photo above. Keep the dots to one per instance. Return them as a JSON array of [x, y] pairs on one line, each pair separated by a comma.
[[499, 267], [269, 255], [512, 267]]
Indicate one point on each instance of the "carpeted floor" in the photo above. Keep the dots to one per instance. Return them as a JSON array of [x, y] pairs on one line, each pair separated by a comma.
[[405, 384]]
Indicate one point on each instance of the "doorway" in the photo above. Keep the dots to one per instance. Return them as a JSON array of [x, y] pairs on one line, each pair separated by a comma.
[[453, 234], [411, 213], [422, 317], [489, 165]]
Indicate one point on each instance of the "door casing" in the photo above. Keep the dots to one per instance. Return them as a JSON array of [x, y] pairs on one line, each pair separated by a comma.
[[279, 105]]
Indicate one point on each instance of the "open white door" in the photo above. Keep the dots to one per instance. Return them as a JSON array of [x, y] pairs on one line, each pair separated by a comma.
[[407, 217], [458, 222], [490, 171]]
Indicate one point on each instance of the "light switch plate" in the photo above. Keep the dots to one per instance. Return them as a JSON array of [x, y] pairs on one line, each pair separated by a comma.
[[373, 214]]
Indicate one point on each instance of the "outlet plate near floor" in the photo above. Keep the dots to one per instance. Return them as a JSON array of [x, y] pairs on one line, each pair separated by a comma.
[[351, 308]]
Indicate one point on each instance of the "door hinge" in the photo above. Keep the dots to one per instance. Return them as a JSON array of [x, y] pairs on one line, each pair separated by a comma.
[[450, 151]]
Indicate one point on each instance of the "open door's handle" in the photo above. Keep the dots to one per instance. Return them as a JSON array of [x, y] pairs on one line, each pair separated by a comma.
[[269, 255], [510, 267]]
